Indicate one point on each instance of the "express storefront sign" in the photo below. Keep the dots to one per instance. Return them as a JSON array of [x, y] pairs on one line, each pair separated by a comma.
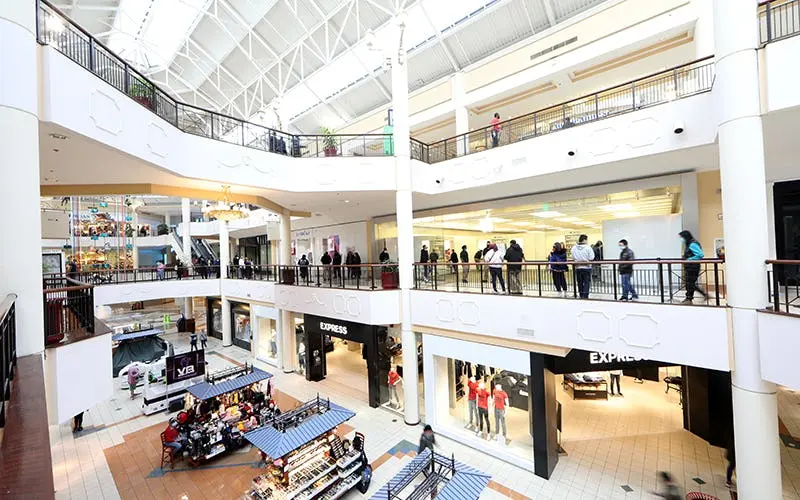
[[330, 327], [578, 361], [338, 328]]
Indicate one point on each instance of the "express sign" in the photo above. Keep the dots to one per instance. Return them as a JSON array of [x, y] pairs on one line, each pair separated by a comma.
[[577, 361], [330, 327], [596, 358]]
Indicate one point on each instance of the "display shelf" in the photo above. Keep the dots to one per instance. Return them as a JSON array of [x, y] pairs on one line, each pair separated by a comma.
[[341, 488], [312, 452], [343, 473], [298, 492], [324, 483], [348, 459], [220, 448]]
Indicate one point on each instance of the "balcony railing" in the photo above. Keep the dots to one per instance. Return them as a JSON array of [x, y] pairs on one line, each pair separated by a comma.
[[356, 277], [778, 19], [68, 308], [783, 280], [57, 30], [8, 351], [659, 88], [140, 274], [656, 281]]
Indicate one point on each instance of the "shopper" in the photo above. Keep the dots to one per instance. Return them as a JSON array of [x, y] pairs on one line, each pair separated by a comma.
[[483, 411], [384, 256], [192, 341], [559, 271], [616, 375], [692, 251], [626, 272], [348, 261], [427, 440], [514, 254], [394, 379], [303, 265], [478, 257], [472, 402], [464, 255], [424, 258], [337, 264], [133, 374], [500, 402], [495, 260], [172, 436], [597, 271], [730, 455], [454, 261], [77, 422], [496, 130], [326, 261], [582, 254], [356, 269], [669, 488], [203, 340], [160, 269]]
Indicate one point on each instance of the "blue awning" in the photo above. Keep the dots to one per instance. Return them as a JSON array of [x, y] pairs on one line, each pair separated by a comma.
[[136, 335], [205, 390], [466, 483], [275, 443]]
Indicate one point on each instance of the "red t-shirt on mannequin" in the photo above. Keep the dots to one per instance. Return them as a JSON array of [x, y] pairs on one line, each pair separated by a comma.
[[500, 399], [473, 390], [483, 399]]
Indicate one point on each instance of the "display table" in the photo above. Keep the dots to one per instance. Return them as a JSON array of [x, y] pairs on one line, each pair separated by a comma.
[[305, 457], [582, 387], [443, 478]]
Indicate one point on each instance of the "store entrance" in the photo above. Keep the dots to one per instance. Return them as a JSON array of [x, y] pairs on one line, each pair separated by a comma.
[[787, 230], [346, 367]]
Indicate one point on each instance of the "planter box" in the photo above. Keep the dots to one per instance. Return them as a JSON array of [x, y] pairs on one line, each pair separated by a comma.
[[330, 151], [390, 280], [287, 276]]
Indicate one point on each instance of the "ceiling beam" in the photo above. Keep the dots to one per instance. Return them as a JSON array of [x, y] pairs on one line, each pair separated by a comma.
[[440, 40], [548, 9]]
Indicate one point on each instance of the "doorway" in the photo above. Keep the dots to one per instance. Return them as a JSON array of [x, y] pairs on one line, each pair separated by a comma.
[[787, 230]]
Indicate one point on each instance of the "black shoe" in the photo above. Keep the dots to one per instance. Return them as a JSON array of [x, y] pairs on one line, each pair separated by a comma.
[[623, 299]]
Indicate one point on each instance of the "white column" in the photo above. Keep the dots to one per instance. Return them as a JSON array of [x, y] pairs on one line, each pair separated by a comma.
[[462, 113], [167, 219], [405, 230], [186, 219], [224, 249], [227, 331], [741, 155], [135, 239], [286, 331], [19, 193]]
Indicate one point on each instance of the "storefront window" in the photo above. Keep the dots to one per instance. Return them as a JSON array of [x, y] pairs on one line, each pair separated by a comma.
[[267, 340], [242, 331], [488, 403], [300, 334]]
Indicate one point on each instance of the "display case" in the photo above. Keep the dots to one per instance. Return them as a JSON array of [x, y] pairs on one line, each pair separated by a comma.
[[586, 386]]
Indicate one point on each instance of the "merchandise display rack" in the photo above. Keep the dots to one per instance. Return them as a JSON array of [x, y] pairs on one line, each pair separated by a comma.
[[305, 457], [441, 477]]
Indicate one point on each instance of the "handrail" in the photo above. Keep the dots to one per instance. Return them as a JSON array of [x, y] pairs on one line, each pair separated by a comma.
[[8, 350], [79, 45], [783, 261], [783, 285], [778, 19], [571, 262], [5, 305]]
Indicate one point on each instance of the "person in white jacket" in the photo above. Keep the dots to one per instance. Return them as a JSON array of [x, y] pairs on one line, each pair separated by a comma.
[[494, 257], [583, 272]]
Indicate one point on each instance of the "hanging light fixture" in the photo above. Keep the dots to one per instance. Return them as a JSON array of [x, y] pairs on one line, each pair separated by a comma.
[[224, 209]]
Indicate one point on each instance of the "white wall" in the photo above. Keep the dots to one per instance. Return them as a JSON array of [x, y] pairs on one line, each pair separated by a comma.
[[249, 291], [55, 224], [648, 237], [352, 235], [134, 292], [366, 307], [651, 331], [74, 385], [781, 74], [779, 343]]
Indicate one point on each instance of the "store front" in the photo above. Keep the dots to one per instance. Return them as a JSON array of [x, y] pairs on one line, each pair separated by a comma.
[[265, 326], [354, 356], [240, 322]]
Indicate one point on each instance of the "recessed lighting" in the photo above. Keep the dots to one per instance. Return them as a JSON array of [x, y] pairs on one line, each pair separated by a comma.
[[622, 207], [347, 201], [623, 215], [569, 219], [548, 214], [59, 137]]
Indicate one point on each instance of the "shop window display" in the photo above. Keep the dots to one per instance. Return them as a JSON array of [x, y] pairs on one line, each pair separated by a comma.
[[301, 349], [491, 404], [267, 340], [242, 332]]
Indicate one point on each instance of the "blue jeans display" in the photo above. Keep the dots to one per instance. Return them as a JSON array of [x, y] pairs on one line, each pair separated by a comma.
[[584, 279], [497, 273], [627, 287]]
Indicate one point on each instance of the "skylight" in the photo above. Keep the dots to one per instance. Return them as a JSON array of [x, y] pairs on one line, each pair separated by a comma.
[[148, 33]]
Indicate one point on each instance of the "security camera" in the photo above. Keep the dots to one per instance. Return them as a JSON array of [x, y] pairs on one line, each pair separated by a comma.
[[440, 180], [678, 127], [572, 151]]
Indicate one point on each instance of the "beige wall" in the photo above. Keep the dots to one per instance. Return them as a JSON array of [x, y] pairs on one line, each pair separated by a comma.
[[709, 200]]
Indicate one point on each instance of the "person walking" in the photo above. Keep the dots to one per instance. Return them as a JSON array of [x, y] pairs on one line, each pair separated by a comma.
[[424, 258], [583, 254], [348, 262], [626, 272], [616, 375], [597, 270], [496, 130], [472, 402], [326, 260], [337, 265], [479, 268], [495, 260], [384, 256], [427, 440], [133, 373], [500, 398], [192, 341], [77, 423], [669, 488], [483, 411], [434, 264], [203, 340], [303, 265], [356, 269], [454, 261], [464, 255], [559, 271], [514, 254], [692, 251], [730, 456]]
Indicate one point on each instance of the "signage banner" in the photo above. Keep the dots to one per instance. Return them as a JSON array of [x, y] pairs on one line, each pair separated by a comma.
[[356, 332], [185, 366], [578, 361]]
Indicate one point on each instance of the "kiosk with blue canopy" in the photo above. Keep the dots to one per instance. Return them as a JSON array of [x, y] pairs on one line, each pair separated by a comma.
[[431, 475], [305, 457]]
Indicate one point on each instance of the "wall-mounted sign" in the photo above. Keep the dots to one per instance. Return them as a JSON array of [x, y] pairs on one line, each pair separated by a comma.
[[356, 332], [329, 327], [578, 361]]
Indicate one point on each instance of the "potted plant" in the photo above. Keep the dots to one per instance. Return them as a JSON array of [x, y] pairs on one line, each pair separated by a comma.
[[390, 277], [328, 142], [142, 92]]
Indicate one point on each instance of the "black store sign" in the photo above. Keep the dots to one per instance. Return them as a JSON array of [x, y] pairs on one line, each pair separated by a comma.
[[356, 332], [185, 366], [578, 361]]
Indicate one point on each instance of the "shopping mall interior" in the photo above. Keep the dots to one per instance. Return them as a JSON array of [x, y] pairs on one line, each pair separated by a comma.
[[400, 249]]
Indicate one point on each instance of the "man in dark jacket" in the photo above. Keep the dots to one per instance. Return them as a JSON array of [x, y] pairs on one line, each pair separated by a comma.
[[626, 272], [692, 251], [514, 253], [384, 256], [303, 265], [326, 261], [337, 264], [464, 255], [454, 261], [423, 259]]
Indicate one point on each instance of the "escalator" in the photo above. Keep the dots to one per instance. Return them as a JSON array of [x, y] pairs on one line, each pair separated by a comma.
[[201, 248]]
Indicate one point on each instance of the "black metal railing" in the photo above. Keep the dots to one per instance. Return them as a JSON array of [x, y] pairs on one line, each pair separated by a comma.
[[134, 275], [783, 281], [68, 308], [252, 272], [57, 30], [357, 277], [659, 88], [8, 351], [778, 19], [658, 281]]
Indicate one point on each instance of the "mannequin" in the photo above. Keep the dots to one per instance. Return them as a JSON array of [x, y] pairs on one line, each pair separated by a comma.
[[301, 352], [394, 379], [500, 403], [472, 403], [483, 411]]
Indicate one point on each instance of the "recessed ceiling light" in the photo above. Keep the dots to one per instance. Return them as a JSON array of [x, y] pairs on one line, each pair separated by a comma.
[[59, 137], [623, 215], [347, 201], [548, 214], [568, 219], [622, 207]]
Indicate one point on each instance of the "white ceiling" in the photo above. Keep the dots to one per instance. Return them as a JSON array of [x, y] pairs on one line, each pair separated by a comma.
[[308, 58]]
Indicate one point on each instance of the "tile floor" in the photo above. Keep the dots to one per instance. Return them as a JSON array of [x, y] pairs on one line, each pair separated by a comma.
[[608, 447]]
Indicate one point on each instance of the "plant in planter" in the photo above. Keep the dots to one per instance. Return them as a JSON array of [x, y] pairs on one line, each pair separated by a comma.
[[142, 92], [390, 276], [328, 142], [162, 229]]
